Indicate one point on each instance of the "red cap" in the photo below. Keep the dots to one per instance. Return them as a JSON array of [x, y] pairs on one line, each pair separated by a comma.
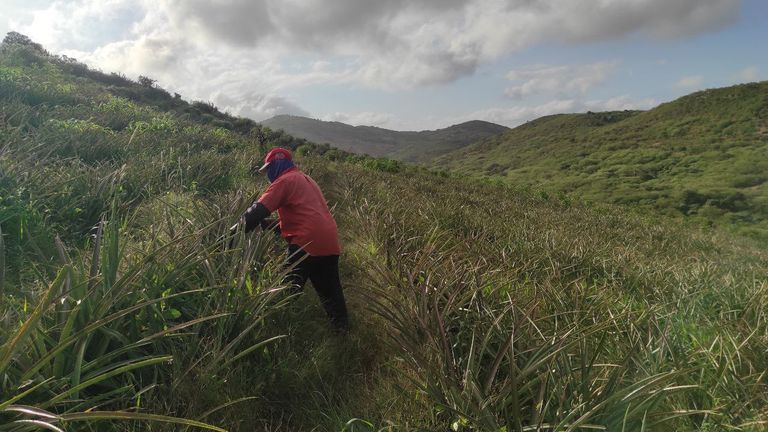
[[277, 153]]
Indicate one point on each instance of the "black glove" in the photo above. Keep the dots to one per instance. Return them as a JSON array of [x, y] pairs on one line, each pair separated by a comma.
[[254, 216]]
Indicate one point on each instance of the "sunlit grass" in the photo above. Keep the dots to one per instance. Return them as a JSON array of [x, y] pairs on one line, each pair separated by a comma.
[[553, 316]]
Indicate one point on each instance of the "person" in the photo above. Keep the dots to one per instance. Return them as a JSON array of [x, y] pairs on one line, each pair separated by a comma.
[[306, 223]]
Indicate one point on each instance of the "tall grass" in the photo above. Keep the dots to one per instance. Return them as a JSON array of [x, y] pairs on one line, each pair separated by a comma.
[[130, 319], [555, 317]]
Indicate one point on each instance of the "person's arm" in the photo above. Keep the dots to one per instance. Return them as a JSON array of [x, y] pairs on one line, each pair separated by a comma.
[[255, 216], [273, 198]]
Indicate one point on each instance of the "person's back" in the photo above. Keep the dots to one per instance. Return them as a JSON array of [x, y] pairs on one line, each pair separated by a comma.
[[305, 219]]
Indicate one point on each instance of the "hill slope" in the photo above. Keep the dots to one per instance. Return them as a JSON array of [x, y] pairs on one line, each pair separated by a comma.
[[121, 288], [406, 146], [704, 155]]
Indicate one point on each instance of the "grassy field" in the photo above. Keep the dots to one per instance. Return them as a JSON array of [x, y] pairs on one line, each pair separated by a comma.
[[475, 306], [703, 156]]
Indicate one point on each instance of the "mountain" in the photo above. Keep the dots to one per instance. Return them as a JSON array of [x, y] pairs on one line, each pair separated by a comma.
[[704, 156], [406, 146]]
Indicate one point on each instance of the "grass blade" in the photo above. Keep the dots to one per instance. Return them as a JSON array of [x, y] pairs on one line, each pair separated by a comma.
[[40, 424], [95, 380], [2, 263], [9, 349], [20, 396], [124, 415]]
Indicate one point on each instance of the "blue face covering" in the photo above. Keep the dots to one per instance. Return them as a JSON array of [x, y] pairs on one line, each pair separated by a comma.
[[277, 167]]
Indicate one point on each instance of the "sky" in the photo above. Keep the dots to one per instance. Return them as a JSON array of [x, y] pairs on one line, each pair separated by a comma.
[[410, 64]]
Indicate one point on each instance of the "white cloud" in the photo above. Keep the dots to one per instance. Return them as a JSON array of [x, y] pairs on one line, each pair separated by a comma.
[[561, 80], [749, 74], [257, 106], [690, 82], [391, 42], [82, 24], [235, 50], [157, 56], [15, 13]]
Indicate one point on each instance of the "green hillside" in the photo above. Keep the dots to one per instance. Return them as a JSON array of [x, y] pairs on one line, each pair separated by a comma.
[[704, 156], [475, 306], [406, 146]]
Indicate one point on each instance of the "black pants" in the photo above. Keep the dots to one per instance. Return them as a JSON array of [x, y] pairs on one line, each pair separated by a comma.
[[323, 271]]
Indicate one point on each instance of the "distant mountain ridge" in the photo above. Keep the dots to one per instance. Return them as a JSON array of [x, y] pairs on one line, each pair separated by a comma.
[[409, 146]]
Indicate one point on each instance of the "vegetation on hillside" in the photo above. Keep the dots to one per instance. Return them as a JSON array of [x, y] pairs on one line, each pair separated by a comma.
[[419, 146], [475, 306], [703, 156]]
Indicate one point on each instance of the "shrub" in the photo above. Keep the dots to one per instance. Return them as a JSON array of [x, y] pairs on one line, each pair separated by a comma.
[[82, 139], [384, 164], [117, 113]]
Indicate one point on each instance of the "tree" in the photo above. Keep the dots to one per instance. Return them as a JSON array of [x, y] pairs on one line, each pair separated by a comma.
[[261, 135], [147, 81], [16, 38]]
